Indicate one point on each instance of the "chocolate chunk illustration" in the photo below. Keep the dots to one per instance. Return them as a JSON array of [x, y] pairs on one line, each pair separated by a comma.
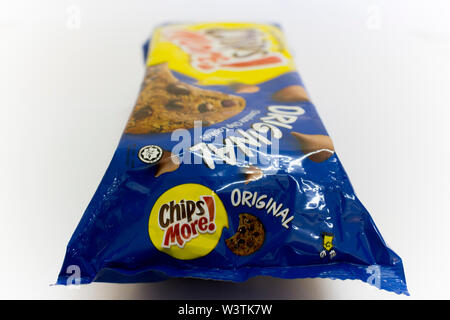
[[249, 236], [316, 147], [228, 103], [252, 173], [169, 162], [166, 104], [146, 111], [293, 93], [178, 88], [205, 107], [207, 123], [244, 88], [174, 105]]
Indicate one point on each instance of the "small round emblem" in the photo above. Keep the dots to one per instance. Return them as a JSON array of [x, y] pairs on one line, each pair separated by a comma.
[[150, 154]]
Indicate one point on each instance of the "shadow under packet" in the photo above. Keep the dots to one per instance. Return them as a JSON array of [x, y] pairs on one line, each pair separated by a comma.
[[225, 171]]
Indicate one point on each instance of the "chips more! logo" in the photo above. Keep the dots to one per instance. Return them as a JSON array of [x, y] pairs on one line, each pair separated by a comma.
[[220, 48], [186, 221]]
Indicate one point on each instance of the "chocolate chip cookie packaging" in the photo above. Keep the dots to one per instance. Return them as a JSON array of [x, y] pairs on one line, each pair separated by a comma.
[[225, 171]]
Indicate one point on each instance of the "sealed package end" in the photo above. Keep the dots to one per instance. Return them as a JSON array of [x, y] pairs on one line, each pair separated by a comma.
[[225, 171]]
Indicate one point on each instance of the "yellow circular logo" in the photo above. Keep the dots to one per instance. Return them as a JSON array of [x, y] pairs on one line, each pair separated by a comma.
[[186, 221]]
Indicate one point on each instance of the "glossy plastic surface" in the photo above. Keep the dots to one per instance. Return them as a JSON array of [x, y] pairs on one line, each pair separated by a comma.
[[112, 243]]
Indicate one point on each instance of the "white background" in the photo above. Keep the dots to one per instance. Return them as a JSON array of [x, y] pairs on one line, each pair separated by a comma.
[[378, 72]]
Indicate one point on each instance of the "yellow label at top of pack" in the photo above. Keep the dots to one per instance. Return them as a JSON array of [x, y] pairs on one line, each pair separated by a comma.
[[222, 53]]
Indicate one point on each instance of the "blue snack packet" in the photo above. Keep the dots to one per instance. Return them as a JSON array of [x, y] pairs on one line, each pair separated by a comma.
[[225, 171]]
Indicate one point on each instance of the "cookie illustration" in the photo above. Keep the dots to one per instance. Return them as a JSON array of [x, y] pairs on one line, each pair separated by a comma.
[[166, 104], [293, 93], [249, 236], [317, 147]]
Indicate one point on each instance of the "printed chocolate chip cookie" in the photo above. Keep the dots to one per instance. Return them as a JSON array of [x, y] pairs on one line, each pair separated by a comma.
[[249, 236], [166, 104]]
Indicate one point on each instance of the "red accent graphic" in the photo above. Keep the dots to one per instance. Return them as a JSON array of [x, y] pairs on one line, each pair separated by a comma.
[[252, 63], [211, 210]]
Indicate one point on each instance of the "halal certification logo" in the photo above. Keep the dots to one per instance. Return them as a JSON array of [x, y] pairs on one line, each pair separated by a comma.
[[150, 154]]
